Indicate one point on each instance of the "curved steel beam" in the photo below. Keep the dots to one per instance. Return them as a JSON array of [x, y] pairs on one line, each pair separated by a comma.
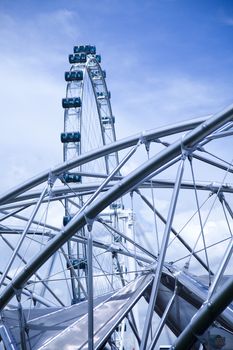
[[60, 191], [189, 140], [188, 185], [24, 201], [100, 152]]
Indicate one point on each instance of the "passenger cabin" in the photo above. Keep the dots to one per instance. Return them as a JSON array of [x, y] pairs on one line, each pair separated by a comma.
[[74, 75], [71, 102], [87, 49], [78, 58], [70, 137]]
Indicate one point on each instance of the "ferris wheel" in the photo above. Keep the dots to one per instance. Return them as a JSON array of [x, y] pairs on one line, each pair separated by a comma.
[[88, 125], [125, 239]]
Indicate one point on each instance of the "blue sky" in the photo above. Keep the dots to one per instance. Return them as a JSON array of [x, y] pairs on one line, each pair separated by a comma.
[[165, 60]]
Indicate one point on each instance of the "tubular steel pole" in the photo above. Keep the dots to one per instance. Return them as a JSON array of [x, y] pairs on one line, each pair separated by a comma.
[[90, 292], [155, 287], [130, 181], [221, 269], [162, 322]]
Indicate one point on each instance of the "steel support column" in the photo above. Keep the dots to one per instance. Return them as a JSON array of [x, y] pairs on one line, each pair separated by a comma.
[[90, 292], [158, 273]]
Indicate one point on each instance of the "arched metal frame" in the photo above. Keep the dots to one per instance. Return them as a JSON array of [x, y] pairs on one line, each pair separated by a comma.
[[148, 136], [203, 130]]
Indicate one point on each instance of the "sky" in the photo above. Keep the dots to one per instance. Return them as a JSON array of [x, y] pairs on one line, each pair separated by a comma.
[[166, 61]]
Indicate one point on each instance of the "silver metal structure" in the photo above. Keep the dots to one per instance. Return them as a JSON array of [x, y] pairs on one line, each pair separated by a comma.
[[171, 242], [88, 124]]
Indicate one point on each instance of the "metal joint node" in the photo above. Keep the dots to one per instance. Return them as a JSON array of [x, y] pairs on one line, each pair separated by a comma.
[[51, 179], [143, 140], [89, 222], [185, 150], [184, 155], [186, 266], [18, 293], [207, 304], [164, 143], [221, 196], [200, 148]]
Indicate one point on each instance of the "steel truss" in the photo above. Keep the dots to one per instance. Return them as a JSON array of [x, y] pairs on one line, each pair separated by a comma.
[[194, 307]]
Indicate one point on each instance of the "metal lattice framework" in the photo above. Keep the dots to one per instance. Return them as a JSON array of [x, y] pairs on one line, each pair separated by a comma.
[[88, 124], [171, 242]]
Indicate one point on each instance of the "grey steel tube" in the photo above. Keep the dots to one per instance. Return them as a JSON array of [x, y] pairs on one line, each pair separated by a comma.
[[161, 257]]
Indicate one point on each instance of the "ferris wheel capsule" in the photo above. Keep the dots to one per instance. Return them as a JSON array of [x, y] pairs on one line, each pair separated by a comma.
[[74, 75], [71, 102]]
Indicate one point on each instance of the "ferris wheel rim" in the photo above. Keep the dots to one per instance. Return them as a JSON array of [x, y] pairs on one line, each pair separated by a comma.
[[92, 71]]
